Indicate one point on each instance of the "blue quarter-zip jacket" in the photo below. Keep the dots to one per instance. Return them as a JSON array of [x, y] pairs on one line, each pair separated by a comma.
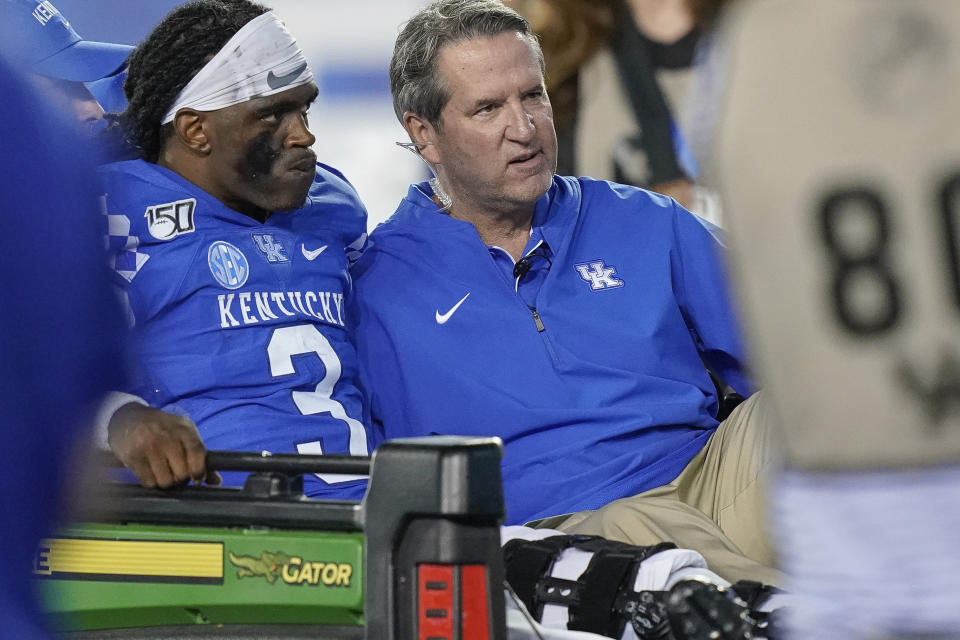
[[590, 367]]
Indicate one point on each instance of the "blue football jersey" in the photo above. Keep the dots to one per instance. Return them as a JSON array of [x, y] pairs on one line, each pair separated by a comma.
[[237, 324]]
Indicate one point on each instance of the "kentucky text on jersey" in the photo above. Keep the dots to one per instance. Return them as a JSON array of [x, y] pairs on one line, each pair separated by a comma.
[[262, 306]]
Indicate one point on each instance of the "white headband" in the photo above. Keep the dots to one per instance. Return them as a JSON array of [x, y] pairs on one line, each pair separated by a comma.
[[259, 60]]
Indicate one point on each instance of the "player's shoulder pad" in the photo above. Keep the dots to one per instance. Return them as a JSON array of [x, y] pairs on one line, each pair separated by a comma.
[[132, 187], [331, 186], [132, 179], [332, 202]]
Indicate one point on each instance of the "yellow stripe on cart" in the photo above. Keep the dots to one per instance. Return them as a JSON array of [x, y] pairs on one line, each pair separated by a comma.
[[129, 560]]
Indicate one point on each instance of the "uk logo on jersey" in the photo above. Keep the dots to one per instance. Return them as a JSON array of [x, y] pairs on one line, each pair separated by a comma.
[[228, 265], [271, 248], [599, 275], [167, 221]]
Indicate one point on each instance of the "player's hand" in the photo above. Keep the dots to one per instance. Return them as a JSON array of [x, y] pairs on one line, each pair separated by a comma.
[[161, 449]]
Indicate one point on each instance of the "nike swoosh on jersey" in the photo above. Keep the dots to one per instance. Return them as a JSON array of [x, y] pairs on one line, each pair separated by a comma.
[[275, 82], [443, 317], [312, 254]]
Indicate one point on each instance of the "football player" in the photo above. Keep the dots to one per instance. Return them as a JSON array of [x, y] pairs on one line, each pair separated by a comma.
[[231, 244]]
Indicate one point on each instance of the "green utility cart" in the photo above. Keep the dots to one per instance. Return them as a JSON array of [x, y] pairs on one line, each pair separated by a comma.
[[418, 558]]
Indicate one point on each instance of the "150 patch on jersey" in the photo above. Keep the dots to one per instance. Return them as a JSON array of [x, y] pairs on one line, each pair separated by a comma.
[[167, 221]]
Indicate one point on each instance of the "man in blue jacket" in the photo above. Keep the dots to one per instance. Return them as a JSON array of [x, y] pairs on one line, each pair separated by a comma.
[[571, 317]]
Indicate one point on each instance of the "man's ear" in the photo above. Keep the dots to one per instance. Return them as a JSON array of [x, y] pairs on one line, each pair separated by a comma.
[[423, 134], [188, 127]]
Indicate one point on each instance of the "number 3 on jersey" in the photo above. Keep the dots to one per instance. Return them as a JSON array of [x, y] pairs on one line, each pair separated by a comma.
[[287, 342]]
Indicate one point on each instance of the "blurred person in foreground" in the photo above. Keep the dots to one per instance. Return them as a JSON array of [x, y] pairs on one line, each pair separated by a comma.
[[837, 154], [58, 331], [65, 67]]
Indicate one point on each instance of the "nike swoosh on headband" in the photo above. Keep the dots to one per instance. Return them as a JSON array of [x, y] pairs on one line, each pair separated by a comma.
[[276, 82]]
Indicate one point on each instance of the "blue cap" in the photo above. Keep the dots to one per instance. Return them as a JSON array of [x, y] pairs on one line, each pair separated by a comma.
[[36, 37], [109, 92]]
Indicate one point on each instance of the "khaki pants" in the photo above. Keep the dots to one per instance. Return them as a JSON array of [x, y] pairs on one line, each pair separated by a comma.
[[715, 506]]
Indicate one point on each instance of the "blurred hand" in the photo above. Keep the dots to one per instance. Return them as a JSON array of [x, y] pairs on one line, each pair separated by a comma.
[[161, 449], [680, 190]]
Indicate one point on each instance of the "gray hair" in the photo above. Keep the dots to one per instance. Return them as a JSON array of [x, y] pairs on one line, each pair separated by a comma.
[[415, 83]]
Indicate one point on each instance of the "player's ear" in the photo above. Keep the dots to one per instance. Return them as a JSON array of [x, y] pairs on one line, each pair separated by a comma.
[[188, 127], [423, 134]]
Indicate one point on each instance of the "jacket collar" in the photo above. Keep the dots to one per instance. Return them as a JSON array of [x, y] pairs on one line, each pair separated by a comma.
[[555, 213]]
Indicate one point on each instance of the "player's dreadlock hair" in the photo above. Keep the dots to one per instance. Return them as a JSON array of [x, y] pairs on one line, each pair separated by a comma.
[[174, 52]]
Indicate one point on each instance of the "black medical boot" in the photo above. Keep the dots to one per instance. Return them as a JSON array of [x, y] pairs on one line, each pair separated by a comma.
[[701, 611]]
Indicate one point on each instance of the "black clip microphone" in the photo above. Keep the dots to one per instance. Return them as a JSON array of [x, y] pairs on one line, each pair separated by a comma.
[[522, 267]]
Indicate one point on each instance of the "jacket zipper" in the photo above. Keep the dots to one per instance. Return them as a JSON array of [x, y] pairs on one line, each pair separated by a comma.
[[536, 319]]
